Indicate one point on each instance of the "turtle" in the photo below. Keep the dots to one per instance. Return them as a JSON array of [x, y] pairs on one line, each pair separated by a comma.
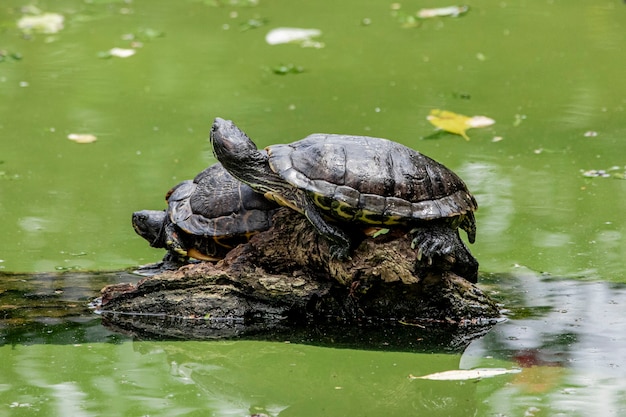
[[205, 218], [345, 179]]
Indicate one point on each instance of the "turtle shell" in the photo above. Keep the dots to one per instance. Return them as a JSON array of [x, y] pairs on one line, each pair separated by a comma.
[[214, 204], [373, 180], [216, 212]]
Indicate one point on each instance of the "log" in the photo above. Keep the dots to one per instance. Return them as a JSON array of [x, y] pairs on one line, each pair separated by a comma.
[[284, 278]]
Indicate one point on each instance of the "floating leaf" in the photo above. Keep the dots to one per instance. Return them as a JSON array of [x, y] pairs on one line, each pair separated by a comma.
[[449, 121], [6, 56], [47, 23], [519, 118], [121, 52], [613, 172], [143, 34], [452, 11], [457, 123], [406, 20], [287, 69], [291, 35], [82, 137], [252, 24], [149, 33], [463, 375], [117, 52]]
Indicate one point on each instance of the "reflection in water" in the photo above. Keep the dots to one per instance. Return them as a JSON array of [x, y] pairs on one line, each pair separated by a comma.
[[493, 191], [573, 353], [569, 338]]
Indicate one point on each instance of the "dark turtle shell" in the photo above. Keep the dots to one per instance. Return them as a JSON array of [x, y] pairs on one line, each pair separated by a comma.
[[218, 206], [374, 181], [206, 216]]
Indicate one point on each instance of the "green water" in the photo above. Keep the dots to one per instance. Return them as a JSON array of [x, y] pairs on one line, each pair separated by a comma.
[[223, 378], [549, 72]]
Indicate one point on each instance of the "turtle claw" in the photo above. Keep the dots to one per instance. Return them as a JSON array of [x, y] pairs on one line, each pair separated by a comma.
[[440, 248], [171, 262]]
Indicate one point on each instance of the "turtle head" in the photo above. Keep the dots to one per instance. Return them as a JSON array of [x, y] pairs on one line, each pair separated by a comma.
[[149, 225], [237, 153], [231, 144]]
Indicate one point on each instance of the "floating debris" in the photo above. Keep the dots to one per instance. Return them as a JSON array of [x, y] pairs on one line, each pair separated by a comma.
[[457, 123], [117, 52], [463, 375], [252, 24], [287, 69], [613, 172], [143, 34], [595, 173], [303, 37], [450, 11], [82, 137], [519, 118], [47, 23], [122, 52], [6, 56]]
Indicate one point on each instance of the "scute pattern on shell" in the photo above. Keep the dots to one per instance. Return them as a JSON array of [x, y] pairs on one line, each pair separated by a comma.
[[216, 205], [372, 175]]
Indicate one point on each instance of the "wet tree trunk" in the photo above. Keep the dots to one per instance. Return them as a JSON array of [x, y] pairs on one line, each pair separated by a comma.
[[285, 276]]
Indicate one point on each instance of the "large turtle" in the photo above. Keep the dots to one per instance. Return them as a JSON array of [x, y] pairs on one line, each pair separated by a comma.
[[358, 179], [205, 218]]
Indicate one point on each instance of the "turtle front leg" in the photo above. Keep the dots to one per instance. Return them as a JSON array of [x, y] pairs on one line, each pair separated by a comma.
[[439, 247], [340, 243], [173, 242]]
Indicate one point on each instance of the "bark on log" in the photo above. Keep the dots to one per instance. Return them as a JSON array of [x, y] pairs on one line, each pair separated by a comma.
[[284, 277]]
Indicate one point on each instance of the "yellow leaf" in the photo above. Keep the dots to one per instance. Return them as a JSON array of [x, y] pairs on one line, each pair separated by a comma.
[[449, 121]]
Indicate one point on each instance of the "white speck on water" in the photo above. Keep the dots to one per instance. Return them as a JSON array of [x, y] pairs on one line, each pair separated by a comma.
[[122, 52], [290, 35]]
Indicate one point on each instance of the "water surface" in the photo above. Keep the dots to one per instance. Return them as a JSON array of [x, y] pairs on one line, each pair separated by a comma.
[[549, 72]]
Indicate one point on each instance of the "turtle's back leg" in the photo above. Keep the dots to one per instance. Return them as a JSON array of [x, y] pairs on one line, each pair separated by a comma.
[[439, 247]]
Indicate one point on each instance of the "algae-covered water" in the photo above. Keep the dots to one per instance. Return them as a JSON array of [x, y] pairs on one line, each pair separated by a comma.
[[548, 177]]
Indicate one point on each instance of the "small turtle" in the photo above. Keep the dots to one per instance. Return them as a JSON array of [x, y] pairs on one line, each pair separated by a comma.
[[358, 179], [205, 218]]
